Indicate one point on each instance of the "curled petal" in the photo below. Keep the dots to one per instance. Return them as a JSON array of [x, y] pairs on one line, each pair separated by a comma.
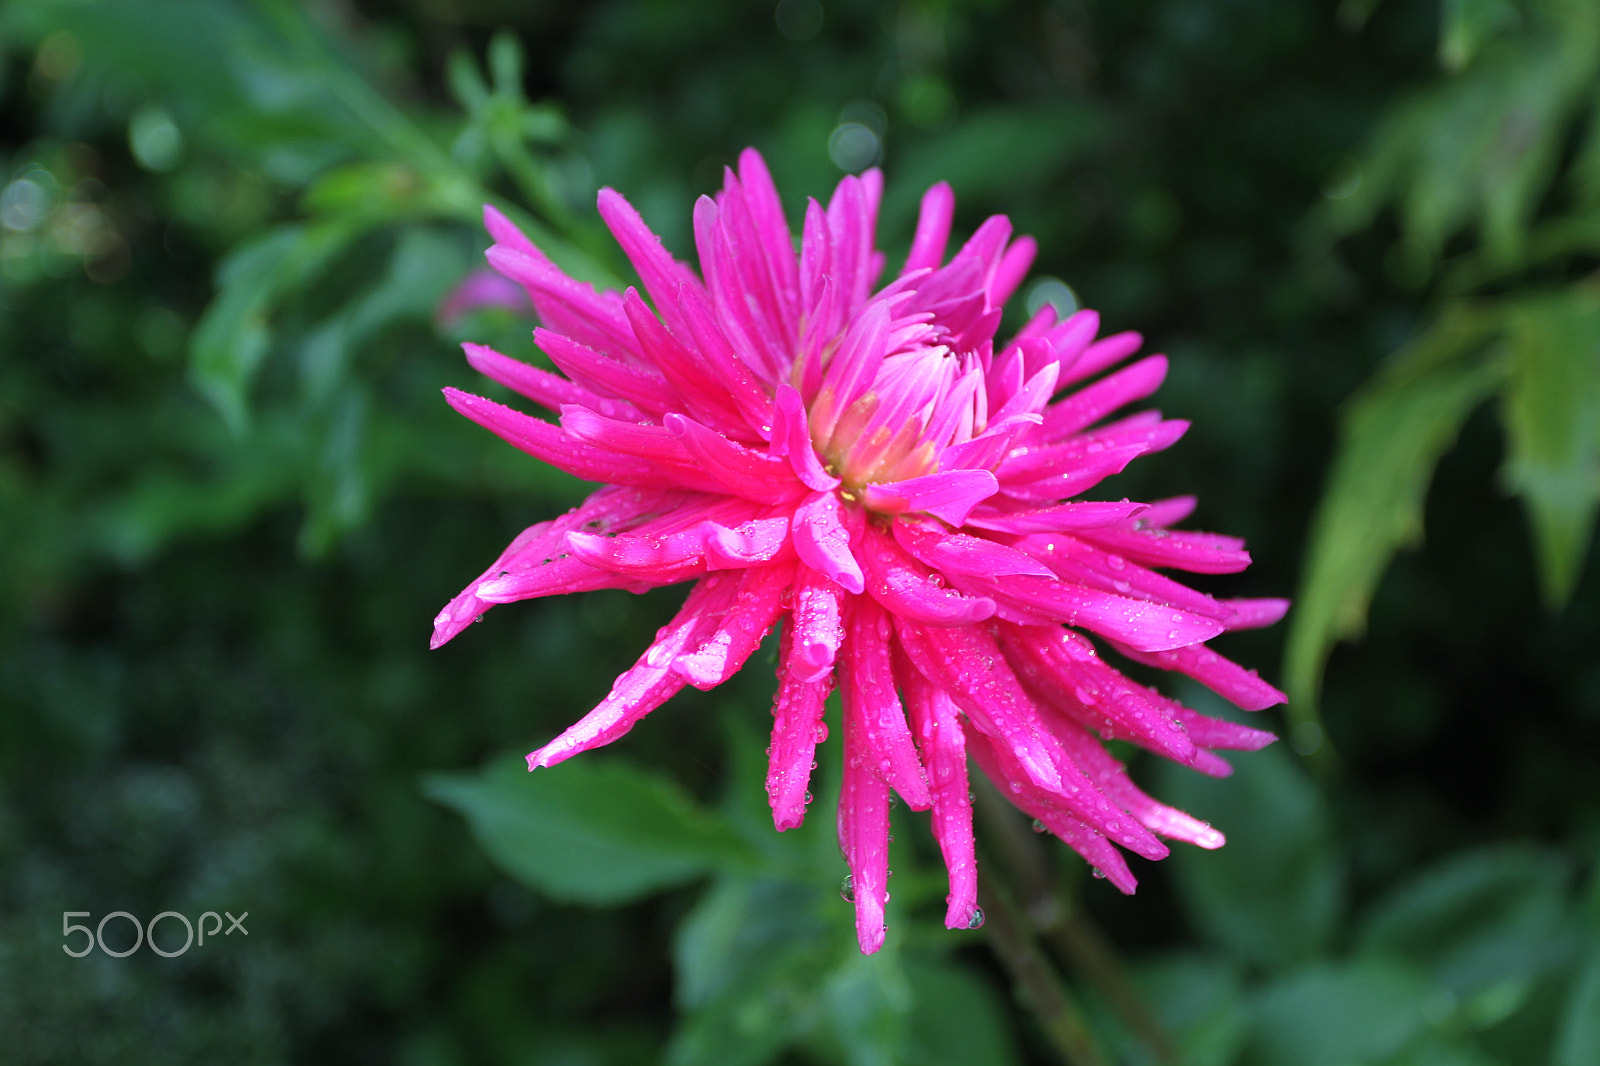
[[816, 628], [822, 541], [739, 632], [791, 437]]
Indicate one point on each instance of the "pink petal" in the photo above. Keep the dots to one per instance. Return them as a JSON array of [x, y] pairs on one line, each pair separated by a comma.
[[797, 729], [704, 396], [670, 284], [1103, 353], [1062, 669], [504, 231], [1200, 553], [950, 495], [1139, 623], [1012, 269], [933, 229], [741, 471], [871, 705], [1015, 785], [815, 628], [567, 306], [1085, 514], [944, 750], [541, 386], [1146, 433], [1216, 733], [791, 437], [556, 447], [1080, 475], [1255, 614], [1079, 562], [651, 681], [822, 540], [1094, 402], [965, 662], [1070, 338], [1112, 779], [676, 556], [864, 836], [539, 546], [905, 590], [1227, 679], [740, 632], [853, 367], [960, 553], [633, 382]]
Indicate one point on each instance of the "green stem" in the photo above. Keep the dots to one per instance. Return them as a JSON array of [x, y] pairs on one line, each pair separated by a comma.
[[1038, 987], [1076, 939]]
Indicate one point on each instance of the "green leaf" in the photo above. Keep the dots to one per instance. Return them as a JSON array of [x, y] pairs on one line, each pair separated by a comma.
[[1475, 921], [1552, 417], [751, 959], [1365, 1012], [868, 1004], [1273, 895], [233, 335], [956, 1019], [1199, 999], [1578, 1036], [590, 830], [1393, 432], [1466, 25]]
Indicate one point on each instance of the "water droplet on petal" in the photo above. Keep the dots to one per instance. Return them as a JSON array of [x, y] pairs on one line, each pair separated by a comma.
[[1101, 874], [975, 921], [847, 889], [1040, 827]]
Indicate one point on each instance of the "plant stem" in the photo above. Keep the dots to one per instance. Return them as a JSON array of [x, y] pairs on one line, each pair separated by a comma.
[[1037, 985], [1077, 940]]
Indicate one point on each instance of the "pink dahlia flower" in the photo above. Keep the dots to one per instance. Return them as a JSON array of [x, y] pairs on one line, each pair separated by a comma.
[[867, 468]]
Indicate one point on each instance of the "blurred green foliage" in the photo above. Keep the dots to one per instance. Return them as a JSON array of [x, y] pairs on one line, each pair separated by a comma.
[[231, 499]]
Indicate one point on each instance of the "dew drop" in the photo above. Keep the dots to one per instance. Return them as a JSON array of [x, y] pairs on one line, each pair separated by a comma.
[[847, 889], [1116, 562], [975, 920], [808, 799], [1101, 874], [1040, 827], [478, 619]]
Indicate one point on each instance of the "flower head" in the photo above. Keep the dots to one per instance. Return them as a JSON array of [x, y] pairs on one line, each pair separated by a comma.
[[868, 469]]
